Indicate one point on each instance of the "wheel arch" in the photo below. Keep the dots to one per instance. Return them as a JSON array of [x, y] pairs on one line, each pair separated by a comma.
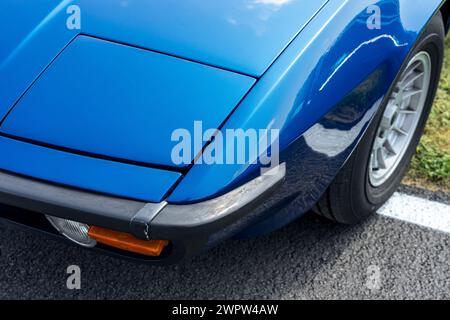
[[445, 10]]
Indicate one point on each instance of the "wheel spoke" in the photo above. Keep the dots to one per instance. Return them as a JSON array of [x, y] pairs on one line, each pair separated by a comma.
[[410, 93], [389, 147], [400, 130], [378, 143], [411, 79], [380, 159], [407, 111], [412, 69], [375, 165], [396, 98]]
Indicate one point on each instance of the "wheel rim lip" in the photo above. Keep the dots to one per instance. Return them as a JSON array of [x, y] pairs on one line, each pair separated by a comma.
[[408, 123]]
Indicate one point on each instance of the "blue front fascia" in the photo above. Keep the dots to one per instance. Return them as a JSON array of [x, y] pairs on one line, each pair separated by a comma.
[[87, 173], [332, 57]]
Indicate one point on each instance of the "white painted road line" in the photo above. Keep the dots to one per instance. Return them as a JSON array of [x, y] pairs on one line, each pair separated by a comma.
[[418, 211]]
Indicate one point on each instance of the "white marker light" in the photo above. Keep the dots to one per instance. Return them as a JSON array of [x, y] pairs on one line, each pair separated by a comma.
[[74, 231]]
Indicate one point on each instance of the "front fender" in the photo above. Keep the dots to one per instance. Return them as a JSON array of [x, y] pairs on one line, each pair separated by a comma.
[[321, 93]]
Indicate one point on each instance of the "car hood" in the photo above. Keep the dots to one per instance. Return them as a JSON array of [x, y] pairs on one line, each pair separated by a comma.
[[244, 36], [241, 35]]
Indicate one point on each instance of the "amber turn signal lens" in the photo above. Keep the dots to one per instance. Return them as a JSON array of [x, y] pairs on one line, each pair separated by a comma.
[[127, 242]]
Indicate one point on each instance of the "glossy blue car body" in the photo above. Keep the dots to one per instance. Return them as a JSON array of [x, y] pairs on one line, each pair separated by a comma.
[[93, 108]]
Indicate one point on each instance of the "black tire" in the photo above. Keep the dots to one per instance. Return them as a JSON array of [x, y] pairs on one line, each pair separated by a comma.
[[351, 198]]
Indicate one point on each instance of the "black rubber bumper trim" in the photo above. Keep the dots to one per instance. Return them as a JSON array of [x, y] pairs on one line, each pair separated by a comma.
[[188, 227], [90, 208]]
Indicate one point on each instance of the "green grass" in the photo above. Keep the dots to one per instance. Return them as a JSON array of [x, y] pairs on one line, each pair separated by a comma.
[[430, 168]]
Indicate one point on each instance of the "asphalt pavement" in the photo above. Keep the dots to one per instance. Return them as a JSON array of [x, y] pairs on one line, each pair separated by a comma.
[[312, 258]]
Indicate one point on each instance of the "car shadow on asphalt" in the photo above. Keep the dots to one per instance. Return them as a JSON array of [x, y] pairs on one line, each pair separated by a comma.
[[270, 266]]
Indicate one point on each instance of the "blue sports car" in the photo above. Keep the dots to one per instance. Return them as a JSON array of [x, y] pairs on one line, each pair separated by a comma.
[[154, 130]]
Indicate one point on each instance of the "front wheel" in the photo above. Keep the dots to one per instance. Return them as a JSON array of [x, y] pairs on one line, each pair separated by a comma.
[[377, 166]]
